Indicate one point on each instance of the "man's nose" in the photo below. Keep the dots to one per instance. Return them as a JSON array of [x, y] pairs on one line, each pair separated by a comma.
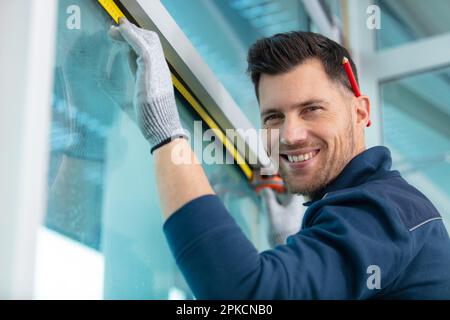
[[292, 132]]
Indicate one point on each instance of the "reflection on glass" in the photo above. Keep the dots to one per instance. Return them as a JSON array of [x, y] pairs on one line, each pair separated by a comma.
[[403, 21], [416, 117], [87, 90], [101, 188], [223, 30]]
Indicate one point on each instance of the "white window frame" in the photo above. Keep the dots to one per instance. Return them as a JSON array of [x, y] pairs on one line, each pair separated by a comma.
[[376, 67], [26, 60]]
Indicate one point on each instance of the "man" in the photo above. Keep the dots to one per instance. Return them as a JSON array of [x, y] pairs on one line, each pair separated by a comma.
[[366, 233]]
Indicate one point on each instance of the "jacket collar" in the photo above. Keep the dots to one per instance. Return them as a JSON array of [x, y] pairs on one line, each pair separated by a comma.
[[370, 164]]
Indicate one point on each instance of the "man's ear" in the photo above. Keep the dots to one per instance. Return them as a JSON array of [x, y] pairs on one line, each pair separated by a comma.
[[362, 108]]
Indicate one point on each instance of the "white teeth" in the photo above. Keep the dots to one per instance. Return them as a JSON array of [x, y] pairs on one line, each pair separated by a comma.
[[301, 157]]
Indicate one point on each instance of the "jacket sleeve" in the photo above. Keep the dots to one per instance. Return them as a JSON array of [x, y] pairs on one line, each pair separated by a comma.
[[346, 251]]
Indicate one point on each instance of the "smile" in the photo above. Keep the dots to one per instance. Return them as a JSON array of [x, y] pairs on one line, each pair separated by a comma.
[[300, 157]]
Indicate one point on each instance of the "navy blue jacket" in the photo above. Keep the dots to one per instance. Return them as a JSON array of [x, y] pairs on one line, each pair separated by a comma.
[[369, 235]]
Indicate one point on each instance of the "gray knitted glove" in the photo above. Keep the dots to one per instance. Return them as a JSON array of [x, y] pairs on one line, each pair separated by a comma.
[[155, 110], [285, 218]]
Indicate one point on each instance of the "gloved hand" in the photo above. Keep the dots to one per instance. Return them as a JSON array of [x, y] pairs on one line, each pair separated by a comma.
[[155, 110], [285, 218]]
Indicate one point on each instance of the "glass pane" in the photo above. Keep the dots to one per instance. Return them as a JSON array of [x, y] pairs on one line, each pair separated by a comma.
[[403, 21], [103, 235], [334, 8], [416, 117], [223, 30]]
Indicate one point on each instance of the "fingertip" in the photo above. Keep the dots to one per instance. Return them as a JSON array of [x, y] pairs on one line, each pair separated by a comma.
[[125, 26]]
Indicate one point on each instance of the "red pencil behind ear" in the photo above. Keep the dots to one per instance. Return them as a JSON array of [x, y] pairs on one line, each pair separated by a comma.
[[352, 80]]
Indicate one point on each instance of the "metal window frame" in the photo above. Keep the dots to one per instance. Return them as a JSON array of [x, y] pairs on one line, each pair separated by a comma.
[[395, 65]]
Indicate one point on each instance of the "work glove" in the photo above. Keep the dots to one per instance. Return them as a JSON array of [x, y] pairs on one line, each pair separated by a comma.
[[155, 110], [285, 216]]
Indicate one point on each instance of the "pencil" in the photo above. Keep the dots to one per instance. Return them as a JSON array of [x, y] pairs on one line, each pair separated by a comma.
[[351, 76], [352, 80]]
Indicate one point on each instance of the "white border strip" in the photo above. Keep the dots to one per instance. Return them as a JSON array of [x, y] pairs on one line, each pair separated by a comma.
[[27, 65]]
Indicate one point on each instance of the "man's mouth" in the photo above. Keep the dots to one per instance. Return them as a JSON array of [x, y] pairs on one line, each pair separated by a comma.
[[299, 156]]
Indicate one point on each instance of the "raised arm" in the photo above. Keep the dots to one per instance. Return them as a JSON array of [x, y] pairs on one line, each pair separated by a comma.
[[179, 183], [156, 114]]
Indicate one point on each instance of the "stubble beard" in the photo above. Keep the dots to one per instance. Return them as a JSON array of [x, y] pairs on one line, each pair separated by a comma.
[[328, 171]]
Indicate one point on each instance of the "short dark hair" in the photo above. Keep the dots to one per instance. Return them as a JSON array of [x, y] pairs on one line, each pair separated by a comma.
[[282, 52]]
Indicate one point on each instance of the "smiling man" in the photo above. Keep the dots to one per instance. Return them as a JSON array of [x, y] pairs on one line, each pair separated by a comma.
[[366, 233], [320, 123]]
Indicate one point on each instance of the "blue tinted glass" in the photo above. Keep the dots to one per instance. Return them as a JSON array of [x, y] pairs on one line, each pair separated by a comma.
[[403, 21], [101, 186], [335, 8], [223, 30]]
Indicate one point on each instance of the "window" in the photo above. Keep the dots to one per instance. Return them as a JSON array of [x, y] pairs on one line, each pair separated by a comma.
[[404, 21], [102, 193]]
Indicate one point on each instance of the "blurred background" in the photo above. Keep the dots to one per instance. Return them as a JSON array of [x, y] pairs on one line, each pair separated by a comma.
[[79, 215]]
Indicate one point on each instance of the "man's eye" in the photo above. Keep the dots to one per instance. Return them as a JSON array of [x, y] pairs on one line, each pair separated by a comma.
[[312, 108], [272, 118]]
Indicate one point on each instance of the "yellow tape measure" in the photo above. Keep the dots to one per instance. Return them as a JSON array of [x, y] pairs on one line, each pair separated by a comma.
[[213, 125], [112, 9]]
